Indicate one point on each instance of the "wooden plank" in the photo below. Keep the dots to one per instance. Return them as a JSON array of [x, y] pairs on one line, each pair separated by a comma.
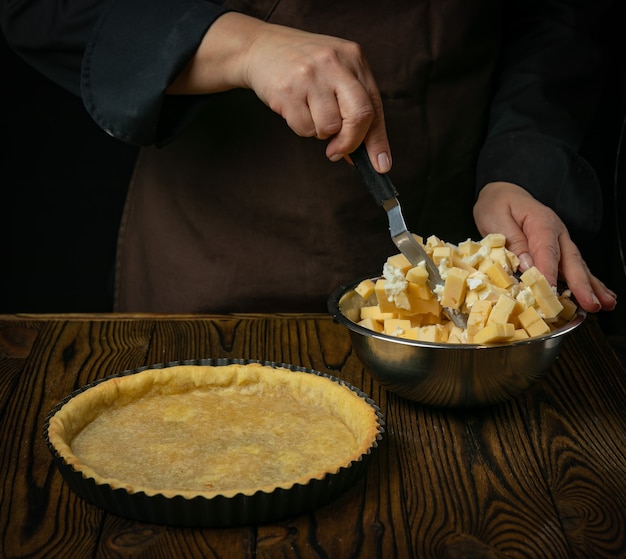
[[578, 430]]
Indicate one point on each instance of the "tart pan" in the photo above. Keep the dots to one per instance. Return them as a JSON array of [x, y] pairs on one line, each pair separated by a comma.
[[215, 510]]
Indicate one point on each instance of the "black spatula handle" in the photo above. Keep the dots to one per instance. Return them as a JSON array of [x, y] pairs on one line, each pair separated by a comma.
[[379, 186]]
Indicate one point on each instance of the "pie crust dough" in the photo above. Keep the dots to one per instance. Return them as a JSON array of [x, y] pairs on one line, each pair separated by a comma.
[[213, 430]]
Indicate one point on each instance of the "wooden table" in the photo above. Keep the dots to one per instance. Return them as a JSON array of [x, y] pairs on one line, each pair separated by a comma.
[[541, 476]]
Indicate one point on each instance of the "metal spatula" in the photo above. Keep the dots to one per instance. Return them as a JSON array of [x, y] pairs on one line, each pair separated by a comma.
[[386, 195]]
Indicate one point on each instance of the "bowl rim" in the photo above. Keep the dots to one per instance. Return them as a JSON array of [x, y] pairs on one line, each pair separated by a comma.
[[338, 316]]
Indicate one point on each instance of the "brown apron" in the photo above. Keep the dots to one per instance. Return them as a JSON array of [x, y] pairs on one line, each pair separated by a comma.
[[240, 214]]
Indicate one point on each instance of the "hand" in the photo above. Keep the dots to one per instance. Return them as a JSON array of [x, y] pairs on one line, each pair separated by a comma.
[[321, 85], [538, 236]]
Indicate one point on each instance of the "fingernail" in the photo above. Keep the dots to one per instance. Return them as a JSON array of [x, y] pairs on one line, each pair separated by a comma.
[[596, 302], [525, 261], [384, 163], [336, 157]]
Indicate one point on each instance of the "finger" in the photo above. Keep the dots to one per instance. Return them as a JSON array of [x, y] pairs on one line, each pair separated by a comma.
[[325, 115], [608, 298], [577, 276], [544, 247], [356, 130], [357, 113], [591, 293], [299, 119], [363, 118], [517, 243]]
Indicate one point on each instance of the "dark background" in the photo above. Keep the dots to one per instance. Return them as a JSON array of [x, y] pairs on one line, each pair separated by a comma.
[[64, 182], [63, 187]]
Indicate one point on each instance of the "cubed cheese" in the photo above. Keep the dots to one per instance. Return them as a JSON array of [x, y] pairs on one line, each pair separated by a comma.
[[400, 262], [493, 240], [546, 299], [468, 247], [442, 253], [417, 274], [396, 326], [498, 275], [502, 310], [477, 317], [365, 288], [569, 308], [374, 312], [418, 305], [520, 334], [494, 332], [532, 322], [371, 324], [385, 304], [454, 288]]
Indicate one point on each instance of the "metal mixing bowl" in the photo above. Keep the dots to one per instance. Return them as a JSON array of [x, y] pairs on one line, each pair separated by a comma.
[[448, 375]]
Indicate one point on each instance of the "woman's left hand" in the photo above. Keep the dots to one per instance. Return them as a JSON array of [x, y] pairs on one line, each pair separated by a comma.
[[538, 237]]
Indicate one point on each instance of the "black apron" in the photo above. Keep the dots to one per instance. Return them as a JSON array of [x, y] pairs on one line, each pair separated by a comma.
[[239, 214]]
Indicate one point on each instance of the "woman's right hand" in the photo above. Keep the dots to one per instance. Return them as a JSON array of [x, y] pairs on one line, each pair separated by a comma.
[[321, 85]]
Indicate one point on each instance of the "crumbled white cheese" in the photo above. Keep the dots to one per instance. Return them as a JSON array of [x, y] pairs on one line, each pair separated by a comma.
[[444, 267], [477, 280], [526, 297], [395, 282], [473, 259]]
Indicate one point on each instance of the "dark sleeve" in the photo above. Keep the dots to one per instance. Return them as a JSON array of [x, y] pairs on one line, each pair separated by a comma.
[[119, 56], [550, 80]]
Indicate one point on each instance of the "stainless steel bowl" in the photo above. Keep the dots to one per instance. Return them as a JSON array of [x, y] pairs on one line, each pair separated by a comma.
[[448, 375]]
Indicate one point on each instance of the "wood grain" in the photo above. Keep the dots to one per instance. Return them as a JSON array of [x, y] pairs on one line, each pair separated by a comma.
[[540, 476]]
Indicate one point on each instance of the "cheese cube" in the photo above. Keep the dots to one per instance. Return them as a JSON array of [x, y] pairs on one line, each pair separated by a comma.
[[502, 310], [432, 242], [454, 288], [468, 247], [401, 300], [417, 304], [441, 253], [477, 317], [400, 262], [494, 332], [374, 312], [531, 276], [429, 333], [569, 308], [498, 275], [455, 335], [396, 326], [371, 324], [520, 334], [545, 297], [499, 255], [411, 334], [513, 260], [417, 291], [493, 240], [418, 275], [365, 288], [532, 322], [457, 261], [382, 298]]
